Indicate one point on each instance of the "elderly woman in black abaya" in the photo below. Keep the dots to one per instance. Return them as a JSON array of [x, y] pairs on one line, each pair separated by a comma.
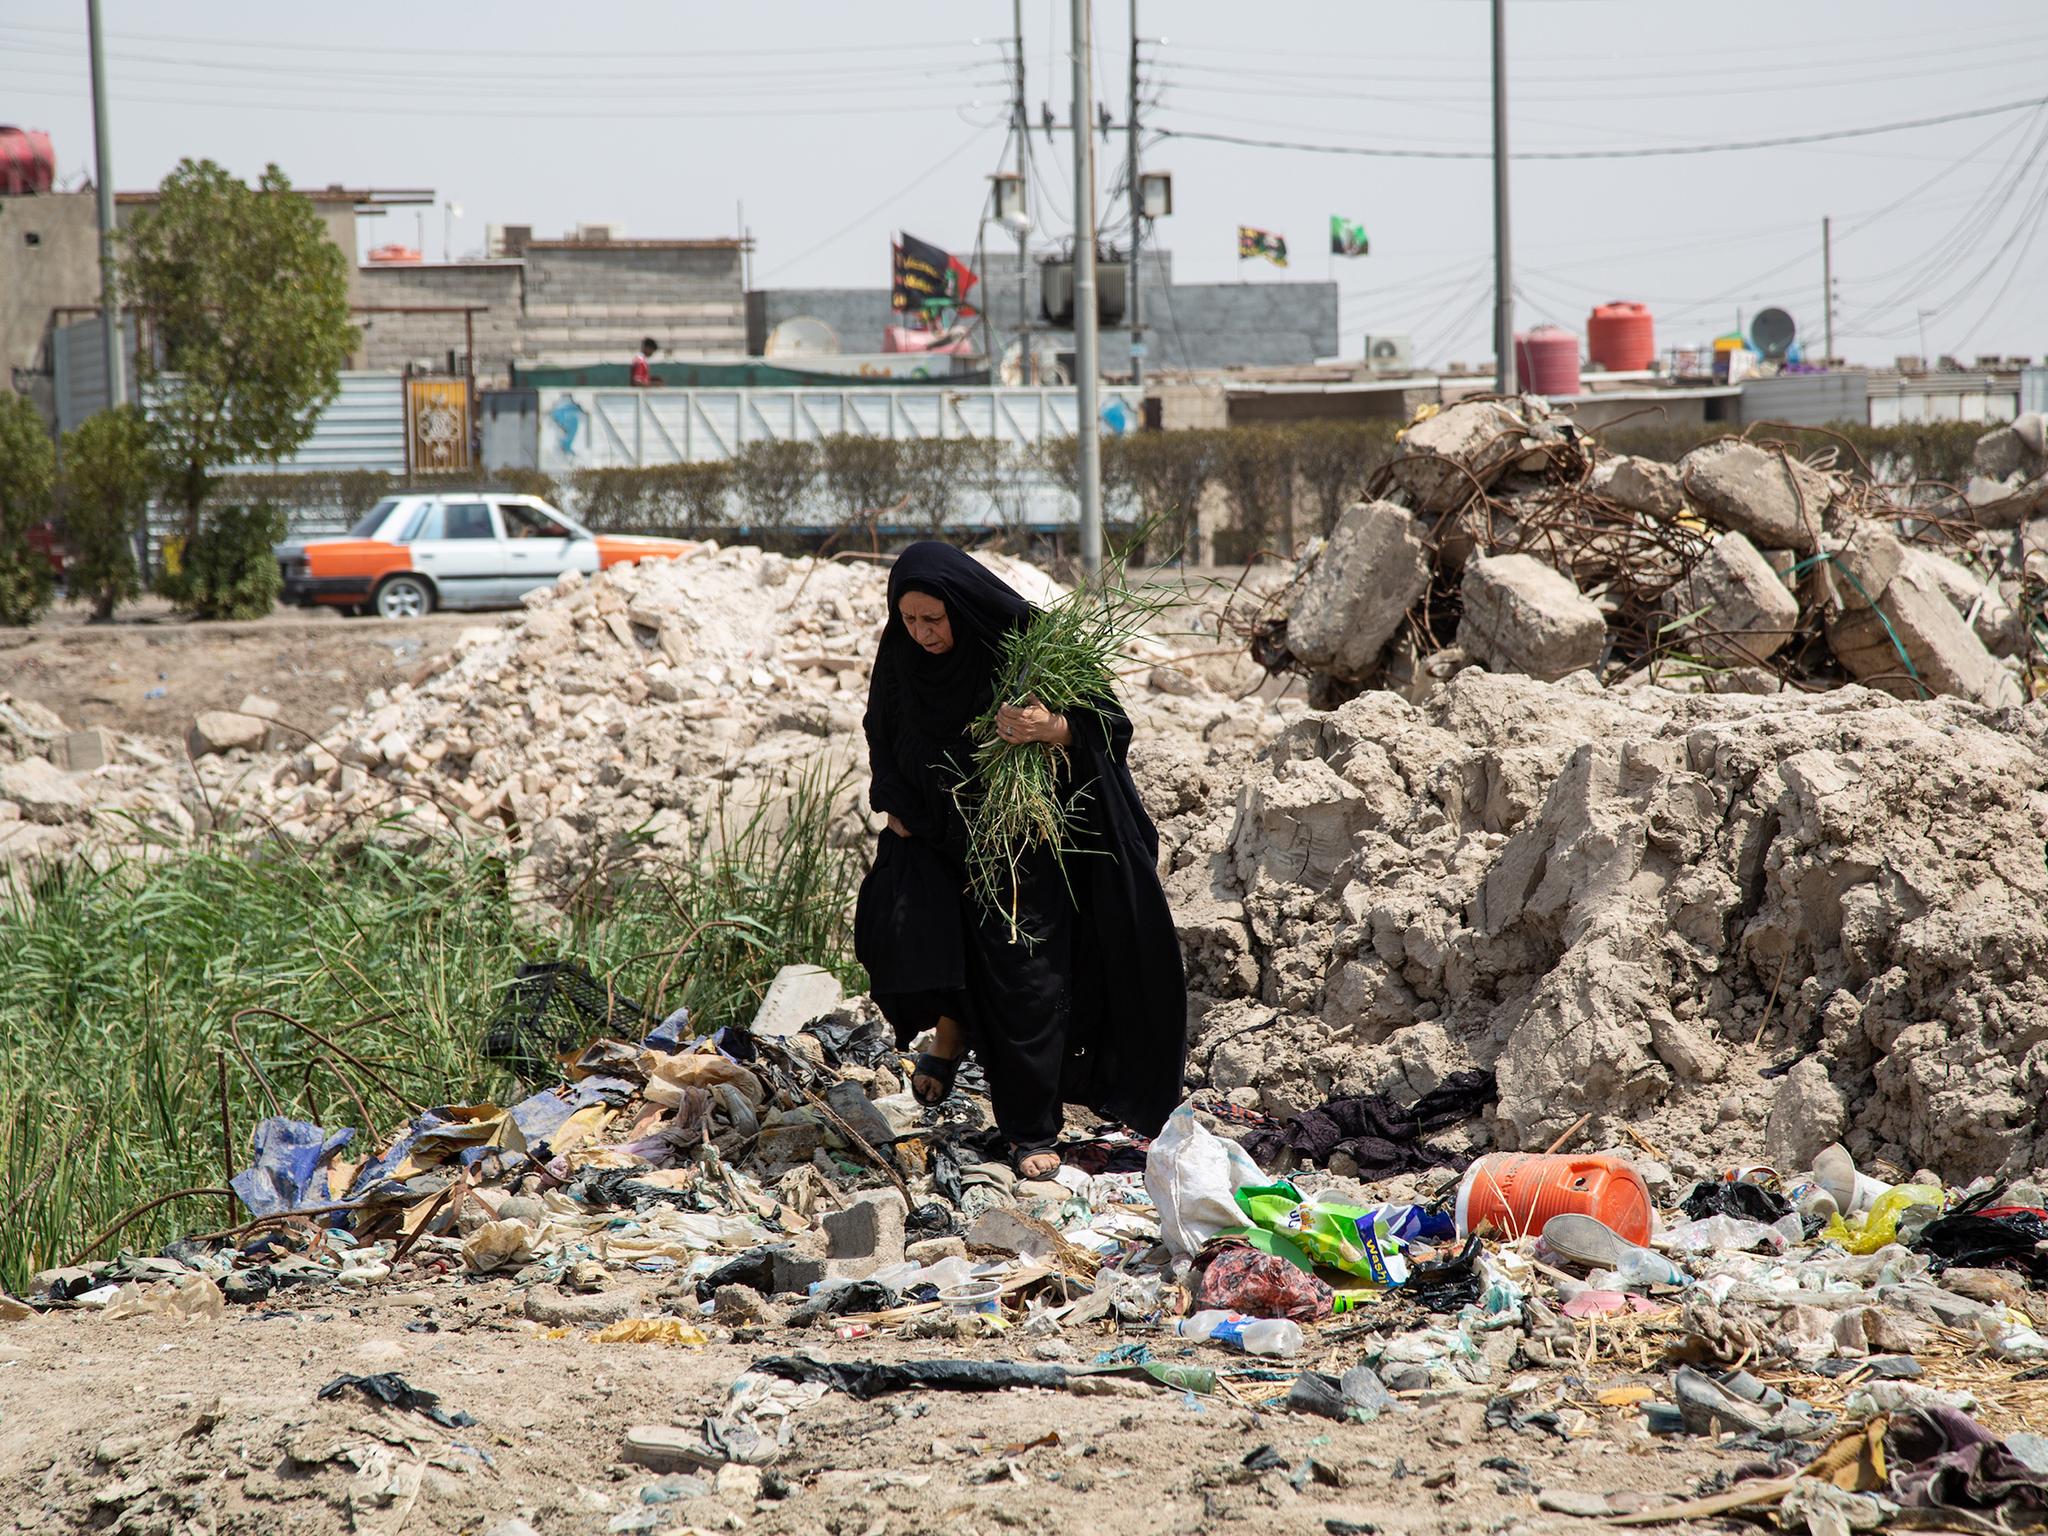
[[1076, 996]]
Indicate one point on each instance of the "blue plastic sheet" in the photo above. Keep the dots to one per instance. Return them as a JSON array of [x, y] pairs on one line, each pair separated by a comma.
[[291, 1155]]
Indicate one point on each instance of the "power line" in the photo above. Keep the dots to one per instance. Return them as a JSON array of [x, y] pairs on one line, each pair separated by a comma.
[[908, 187], [1780, 142]]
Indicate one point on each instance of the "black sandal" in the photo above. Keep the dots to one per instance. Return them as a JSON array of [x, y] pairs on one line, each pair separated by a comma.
[[1018, 1156], [941, 1069]]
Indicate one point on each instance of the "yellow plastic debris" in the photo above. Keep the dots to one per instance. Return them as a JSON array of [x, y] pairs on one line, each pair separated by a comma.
[[1625, 1397], [1880, 1224], [650, 1330]]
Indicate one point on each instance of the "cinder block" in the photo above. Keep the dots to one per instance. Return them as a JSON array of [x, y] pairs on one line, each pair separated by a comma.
[[865, 1237]]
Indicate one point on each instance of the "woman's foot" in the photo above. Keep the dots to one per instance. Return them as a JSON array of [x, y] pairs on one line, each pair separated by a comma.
[[931, 1081], [1035, 1162]]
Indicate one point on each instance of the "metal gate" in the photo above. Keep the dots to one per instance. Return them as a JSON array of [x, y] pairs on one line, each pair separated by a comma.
[[438, 434]]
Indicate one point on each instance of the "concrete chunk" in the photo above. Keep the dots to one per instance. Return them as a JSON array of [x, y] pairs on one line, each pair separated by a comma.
[[1521, 616], [1946, 656], [1773, 498], [1370, 573], [797, 995], [42, 791], [1743, 612], [1480, 438], [865, 1237], [224, 730], [1978, 599], [1641, 485]]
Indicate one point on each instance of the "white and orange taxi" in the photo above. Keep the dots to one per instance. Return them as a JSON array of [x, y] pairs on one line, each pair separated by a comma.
[[409, 555]]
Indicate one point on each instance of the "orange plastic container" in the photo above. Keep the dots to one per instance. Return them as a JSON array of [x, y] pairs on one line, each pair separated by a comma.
[[1512, 1193]]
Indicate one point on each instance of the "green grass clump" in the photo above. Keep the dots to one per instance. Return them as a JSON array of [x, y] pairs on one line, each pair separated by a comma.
[[118, 985], [1066, 659]]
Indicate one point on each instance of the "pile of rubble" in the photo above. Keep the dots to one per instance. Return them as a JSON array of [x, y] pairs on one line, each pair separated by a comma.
[[669, 700], [1599, 808], [1505, 538]]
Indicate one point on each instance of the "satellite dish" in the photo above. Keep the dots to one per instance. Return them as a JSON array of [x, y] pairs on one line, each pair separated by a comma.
[[802, 336], [1772, 333]]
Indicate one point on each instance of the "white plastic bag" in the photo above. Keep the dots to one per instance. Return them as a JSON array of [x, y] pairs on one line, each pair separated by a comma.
[[1191, 1175]]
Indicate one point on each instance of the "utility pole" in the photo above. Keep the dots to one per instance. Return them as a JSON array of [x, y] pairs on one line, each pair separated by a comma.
[[103, 153], [1504, 379], [1087, 330], [1827, 282], [1137, 228], [1024, 369]]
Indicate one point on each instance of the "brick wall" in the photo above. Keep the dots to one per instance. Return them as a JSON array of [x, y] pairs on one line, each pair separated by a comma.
[[593, 303]]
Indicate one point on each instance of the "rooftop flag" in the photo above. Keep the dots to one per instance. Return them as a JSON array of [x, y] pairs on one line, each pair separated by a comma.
[[923, 279], [1261, 242], [1347, 238]]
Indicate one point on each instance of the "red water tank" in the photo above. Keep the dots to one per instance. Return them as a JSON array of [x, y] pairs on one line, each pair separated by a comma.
[[27, 162], [1621, 337], [1547, 361]]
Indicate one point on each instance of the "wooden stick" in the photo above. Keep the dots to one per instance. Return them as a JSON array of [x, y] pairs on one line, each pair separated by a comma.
[[1642, 1141], [1569, 1132], [1772, 1001]]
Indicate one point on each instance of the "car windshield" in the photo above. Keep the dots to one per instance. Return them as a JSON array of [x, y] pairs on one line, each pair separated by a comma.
[[373, 519]]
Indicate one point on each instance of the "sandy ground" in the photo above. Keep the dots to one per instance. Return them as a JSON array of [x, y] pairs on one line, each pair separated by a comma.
[[149, 1425], [315, 663]]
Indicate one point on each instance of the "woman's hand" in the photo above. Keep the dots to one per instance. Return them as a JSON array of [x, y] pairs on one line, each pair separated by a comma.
[[897, 827], [1032, 721]]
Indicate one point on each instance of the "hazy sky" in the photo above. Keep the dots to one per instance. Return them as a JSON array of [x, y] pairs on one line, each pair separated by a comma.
[[836, 121]]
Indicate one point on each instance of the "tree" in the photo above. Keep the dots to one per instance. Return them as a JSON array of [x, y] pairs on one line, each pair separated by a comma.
[[27, 473], [247, 303], [108, 475]]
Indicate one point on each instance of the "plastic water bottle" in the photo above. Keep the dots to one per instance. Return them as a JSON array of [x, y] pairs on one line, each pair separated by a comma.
[[1253, 1335]]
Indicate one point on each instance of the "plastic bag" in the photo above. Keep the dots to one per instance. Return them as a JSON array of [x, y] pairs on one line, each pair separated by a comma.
[[1346, 1237], [1880, 1224], [1192, 1176]]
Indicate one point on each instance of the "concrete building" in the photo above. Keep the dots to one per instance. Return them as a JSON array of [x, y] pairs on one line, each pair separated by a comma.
[[50, 263], [572, 301]]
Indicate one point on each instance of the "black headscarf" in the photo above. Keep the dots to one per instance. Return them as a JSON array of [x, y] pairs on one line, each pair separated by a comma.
[[947, 692]]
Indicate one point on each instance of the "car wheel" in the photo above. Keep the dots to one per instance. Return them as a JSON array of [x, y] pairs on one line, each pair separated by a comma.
[[403, 597]]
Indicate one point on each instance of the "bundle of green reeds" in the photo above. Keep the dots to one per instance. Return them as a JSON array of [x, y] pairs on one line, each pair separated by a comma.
[[1066, 660]]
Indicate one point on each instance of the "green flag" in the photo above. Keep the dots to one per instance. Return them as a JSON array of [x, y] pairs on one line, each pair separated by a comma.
[[1347, 238]]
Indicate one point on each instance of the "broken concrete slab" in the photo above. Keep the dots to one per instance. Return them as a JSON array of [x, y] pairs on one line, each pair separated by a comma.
[[797, 995], [1641, 485], [1465, 448], [1978, 599], [864, 1237], [1372, 569], [1866, 561], [1737, 608], [42, 791], [1764, 493], [225, 730], [1941, 654], [1522, 616]]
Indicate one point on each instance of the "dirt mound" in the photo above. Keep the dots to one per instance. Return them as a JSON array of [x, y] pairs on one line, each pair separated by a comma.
[[1643, 906]]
